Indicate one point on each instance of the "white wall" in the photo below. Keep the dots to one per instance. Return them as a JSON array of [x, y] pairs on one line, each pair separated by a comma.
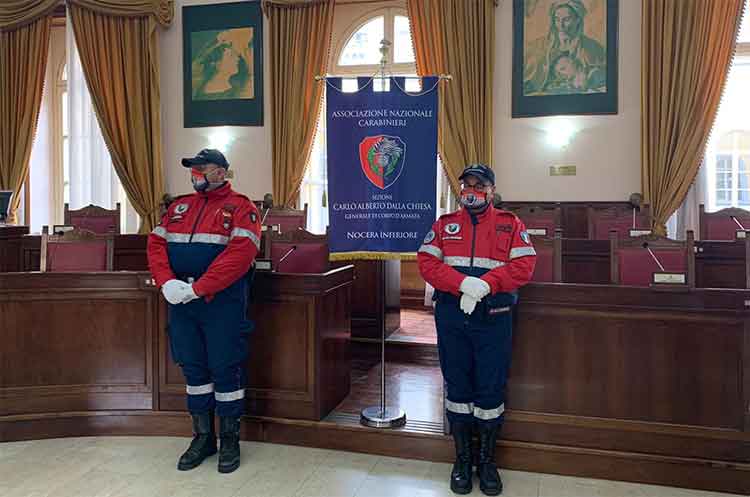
[[605, 149], [248, 153]]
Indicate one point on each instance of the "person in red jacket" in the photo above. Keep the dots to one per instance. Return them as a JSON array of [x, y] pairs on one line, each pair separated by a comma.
[[476, 258], [200, 256]]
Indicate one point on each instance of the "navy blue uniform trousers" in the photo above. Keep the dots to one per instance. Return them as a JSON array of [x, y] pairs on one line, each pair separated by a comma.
[[210, 342], [475, 353]]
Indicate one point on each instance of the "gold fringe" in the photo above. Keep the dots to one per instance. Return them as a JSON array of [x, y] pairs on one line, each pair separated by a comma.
[[372, 256]]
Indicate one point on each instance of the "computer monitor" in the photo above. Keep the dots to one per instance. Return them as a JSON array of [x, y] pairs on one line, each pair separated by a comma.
[[5, 196]]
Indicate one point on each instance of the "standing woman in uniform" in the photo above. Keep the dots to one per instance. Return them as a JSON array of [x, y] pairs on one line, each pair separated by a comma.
[[476, 258]]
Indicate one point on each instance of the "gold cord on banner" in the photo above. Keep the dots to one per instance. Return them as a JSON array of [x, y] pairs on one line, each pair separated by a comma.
[[372, 256]]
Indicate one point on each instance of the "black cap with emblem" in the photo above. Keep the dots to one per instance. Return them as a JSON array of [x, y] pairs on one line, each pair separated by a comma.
[[207, 156], [481, 171]]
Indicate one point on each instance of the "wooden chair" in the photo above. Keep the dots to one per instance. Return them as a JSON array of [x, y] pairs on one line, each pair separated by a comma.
[[540, 220], [286, 218], [94, 218], [631, 264], [621, 219], [76, 251], [722, 225], [548, 268], [298, 252]]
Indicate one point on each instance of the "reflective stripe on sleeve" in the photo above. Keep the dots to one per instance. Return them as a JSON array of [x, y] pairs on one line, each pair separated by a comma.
[[242, 232], [432, 250], [517, 252], [160, 231]]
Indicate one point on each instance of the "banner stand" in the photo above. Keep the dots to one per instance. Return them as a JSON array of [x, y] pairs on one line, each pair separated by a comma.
[[383, 416]]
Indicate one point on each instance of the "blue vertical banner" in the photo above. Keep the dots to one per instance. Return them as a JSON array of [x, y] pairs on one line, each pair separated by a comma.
[[382, 168]]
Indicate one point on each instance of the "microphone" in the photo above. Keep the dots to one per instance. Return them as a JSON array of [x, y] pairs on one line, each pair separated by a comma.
[[263, 219], [635, 201], [645, 245], [283, 257], [738, 222]]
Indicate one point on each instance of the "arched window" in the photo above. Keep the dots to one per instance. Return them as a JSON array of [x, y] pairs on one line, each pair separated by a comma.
[[357, 54]]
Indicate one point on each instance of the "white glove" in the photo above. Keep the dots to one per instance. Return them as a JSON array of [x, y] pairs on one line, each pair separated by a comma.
[[468, 303], [174, 291], [188, 294], [475, 287]]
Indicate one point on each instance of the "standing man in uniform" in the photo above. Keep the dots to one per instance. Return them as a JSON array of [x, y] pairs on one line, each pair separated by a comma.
[[476, 258], [200, 256]]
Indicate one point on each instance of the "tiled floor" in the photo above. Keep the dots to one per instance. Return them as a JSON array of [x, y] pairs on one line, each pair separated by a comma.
[[145, 467], [416, 326]]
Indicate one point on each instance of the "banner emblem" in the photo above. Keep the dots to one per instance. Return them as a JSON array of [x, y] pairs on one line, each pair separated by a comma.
[[382, 158]]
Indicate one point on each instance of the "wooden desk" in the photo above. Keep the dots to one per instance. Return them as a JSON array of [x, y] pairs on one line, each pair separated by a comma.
[[97, 341], [635, 370]]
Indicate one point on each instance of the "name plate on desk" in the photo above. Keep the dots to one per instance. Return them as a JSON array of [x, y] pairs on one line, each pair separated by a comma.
[[741, 234], [537, 231], [263, 264], [275, 227], [670, 279], [637, 232]]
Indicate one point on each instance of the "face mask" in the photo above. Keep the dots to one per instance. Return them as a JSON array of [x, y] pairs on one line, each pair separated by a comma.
[[201, 183], [472, 199]]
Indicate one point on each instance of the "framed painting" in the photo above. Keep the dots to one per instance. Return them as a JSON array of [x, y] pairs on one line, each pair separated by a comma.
[[223, 64], [564, 57]]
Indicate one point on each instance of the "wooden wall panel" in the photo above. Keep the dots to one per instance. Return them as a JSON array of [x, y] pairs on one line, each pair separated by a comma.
[[659, 366]]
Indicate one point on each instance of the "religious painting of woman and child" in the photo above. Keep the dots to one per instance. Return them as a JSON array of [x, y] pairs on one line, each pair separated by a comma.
[[564, 57]]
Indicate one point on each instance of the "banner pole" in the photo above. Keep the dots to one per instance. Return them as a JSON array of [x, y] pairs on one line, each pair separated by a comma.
[[382, 416]]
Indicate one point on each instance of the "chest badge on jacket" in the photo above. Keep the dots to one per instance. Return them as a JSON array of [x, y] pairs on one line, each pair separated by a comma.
[[181, 208], [453, 228]]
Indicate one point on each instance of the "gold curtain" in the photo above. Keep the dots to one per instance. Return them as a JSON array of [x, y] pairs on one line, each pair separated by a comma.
[[457, 37], [16, 13], [120, 59], [23, 52], [161, 10], [687, 48], [300, 36]]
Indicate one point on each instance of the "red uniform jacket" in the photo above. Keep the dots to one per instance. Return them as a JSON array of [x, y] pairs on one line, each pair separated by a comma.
[[497, 249], [211, 237]]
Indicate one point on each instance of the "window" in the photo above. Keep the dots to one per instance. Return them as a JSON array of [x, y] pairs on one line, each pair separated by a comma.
[[728, 152], [357, 55], [69, 162]]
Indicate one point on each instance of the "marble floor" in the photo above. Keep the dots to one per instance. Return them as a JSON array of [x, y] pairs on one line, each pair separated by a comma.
[[145, 467]]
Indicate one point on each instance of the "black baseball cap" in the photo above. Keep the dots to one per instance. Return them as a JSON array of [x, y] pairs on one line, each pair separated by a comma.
[[481, 171], [207, 156]]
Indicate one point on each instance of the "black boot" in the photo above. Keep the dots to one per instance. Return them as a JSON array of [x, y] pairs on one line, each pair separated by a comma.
[[229, 453], [203, 444], [461, 473], [489, 479]]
